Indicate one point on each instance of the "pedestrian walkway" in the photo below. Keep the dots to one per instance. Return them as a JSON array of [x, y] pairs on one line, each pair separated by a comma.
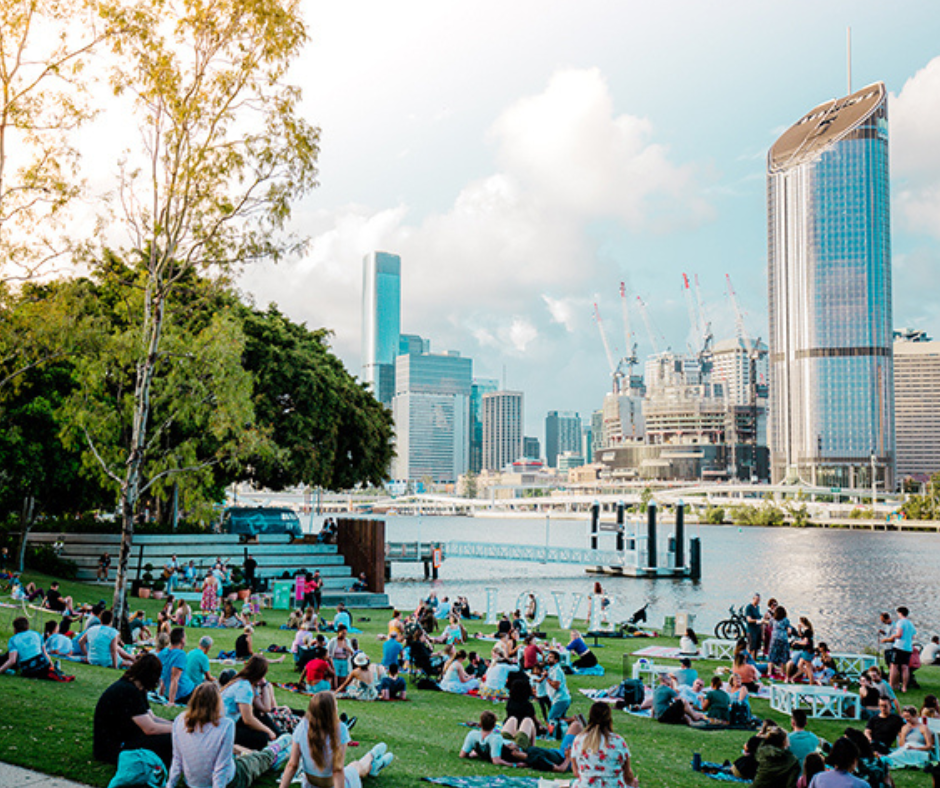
[[16, 777]]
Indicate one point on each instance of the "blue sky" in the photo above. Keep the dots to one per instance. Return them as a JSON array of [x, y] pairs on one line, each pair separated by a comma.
[[524, 158]]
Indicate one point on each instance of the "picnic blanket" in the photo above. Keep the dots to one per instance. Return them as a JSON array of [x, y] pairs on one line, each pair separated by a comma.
[[664, 652], [707, 766], [489, 781], [597, 670], [598, 695]]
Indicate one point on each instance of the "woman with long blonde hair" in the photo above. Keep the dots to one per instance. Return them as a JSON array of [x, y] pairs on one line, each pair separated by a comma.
[[204, 746], [319, 749], [600, 757]]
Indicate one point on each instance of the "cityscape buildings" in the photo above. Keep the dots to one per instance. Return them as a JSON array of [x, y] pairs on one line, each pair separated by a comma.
[[917, 404], [530, 448], [502, 429], [829, 285], [562, 433], [431, 409], [381, 322], [478, 388]]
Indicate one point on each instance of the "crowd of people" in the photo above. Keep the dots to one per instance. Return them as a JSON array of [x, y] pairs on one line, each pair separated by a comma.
[[232, 729]]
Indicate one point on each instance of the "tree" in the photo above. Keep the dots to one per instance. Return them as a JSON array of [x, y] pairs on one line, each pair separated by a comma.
[[45, 46], [328, 429], [222, 153]]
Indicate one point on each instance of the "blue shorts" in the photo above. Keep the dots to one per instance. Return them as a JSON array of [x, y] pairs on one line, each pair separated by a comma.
[[341, 666]]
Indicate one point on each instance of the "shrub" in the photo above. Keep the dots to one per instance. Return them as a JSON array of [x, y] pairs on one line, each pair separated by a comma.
[[715, 515]]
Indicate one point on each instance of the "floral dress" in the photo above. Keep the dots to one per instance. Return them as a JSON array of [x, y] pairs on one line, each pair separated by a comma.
[[210, 595], [601, 769]]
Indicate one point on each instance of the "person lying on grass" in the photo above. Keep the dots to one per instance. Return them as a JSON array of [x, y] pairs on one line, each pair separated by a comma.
[[514, 746]]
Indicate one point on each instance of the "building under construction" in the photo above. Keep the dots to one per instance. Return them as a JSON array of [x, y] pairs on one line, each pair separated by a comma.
[[694, 416]]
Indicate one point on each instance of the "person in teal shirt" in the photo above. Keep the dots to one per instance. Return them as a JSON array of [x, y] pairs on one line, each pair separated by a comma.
[[197, 662]]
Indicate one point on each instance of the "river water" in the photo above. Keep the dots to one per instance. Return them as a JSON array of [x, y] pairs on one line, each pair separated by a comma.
[[839, 579]]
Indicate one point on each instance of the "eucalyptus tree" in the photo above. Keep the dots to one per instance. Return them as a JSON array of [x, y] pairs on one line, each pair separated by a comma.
[[221, 152]]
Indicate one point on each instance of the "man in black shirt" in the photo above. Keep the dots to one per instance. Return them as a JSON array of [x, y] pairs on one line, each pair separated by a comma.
[[123, 720], [55, 601], [883, 729], [251, 567]]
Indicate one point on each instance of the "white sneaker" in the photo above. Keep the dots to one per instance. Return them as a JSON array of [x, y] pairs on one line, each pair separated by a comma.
[[378, 751], [381, 763]]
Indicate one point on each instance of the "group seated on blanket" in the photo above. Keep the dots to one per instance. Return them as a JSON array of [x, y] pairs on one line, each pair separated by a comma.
[[27, 653], [669, 707]]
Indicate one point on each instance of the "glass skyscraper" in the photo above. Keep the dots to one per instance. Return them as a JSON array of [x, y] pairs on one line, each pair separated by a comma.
[[829, 280], [381, 322]]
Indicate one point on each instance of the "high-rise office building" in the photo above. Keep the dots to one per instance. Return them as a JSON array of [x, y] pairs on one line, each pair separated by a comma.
[[479, 387], [432, 416], [829, 281], [381, 322], [530, 448], [917, 403], [562, 433], [502, 429]]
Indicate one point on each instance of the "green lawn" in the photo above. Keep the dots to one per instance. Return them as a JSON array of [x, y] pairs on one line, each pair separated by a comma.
[[47, 726]]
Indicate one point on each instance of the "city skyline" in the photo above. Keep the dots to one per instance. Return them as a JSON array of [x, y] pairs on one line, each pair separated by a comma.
[[521, 186]]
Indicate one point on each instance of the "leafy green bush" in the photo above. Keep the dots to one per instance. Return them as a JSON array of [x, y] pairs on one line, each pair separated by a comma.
[[714, 515], [766, 514], [42, 558]]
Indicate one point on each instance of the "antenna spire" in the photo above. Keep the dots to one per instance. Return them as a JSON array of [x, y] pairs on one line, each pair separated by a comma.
[[848, 53]]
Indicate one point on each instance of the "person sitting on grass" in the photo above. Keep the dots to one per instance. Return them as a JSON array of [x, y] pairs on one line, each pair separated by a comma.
[[244, 643], [843, 759], [204, 747], [341, 618], [362, 681], [455, 678], [177, 686], [585, 658], [813, 764], [392, 686], [57, 645], [123, 719], [686, 674], [484, 742], [915, 742], [802, 741], [688, 643], [55, 601], [319, 749], [26, 652], [28, 593], [197, 662], [318, 673], [717, 702], [668, 707], [140, 632], [600, 757], [776, 765], [102, 645], [748, 673], [251, 730]]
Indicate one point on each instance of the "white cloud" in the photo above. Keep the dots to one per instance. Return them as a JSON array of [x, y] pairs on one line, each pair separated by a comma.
[[915, 154]]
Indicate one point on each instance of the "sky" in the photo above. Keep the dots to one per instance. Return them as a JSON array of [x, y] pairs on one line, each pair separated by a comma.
[[525, 158]]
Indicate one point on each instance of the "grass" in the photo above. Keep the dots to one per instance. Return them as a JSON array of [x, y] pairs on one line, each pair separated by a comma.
[[47, 726]]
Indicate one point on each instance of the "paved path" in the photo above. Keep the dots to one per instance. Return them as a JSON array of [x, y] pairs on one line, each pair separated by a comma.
[[16, 777]]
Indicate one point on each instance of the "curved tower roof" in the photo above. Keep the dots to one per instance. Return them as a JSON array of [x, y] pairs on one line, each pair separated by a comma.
[[823, 125]]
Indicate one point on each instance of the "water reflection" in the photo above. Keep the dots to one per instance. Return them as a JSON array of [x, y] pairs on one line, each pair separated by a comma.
[[840, 580]]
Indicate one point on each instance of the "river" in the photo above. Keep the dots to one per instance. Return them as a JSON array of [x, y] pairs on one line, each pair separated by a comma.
[[839, 579]]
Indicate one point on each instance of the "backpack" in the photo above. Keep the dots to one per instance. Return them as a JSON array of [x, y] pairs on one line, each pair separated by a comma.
[[631, 691], [740, 714], [140, 769]]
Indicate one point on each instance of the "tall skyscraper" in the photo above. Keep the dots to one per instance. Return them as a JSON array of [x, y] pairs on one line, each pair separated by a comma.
[[530, 448], [502, 429], [829, 280], [432, 416], [562, 433], [381, 322], [917, 403], [480, 387]]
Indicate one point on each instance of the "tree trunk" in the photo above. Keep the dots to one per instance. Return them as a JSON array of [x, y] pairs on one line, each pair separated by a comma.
[[130, 488], [26, 525]]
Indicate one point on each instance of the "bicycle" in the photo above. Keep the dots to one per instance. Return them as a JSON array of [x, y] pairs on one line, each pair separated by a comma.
[[732, 628]]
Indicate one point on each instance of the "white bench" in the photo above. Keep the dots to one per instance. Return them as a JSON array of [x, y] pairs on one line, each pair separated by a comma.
[[820, 702], [854, 665], [713, 648], [644, 668]]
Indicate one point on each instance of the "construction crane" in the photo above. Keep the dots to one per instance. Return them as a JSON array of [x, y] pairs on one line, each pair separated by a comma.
[[694, 319], [615, 371], [630, 359], [649, 326]]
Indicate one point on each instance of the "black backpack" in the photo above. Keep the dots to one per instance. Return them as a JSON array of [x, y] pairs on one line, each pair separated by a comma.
[[631, 691]]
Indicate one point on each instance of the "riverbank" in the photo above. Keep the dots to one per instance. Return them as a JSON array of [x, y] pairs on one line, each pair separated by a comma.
[[47, 726]]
